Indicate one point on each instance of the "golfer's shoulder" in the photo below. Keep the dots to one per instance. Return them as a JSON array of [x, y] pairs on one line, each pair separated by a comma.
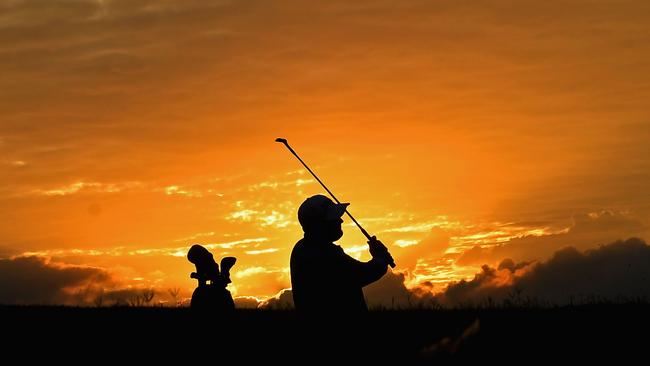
[[298, 248], [302, 251]]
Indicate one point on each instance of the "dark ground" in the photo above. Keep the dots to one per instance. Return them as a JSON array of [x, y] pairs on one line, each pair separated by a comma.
[[150, 335]]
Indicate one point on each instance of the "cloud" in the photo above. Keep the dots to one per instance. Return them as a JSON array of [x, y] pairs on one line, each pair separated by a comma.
[[616, 272], [170, 251], [246, 302], [35, 280], [587, 231], [259, 281], [282, 301], [261, 251], [390, 292], [156, 89], [180, 191], [274, 185], [490, 283], [264, 217], [251, 271], [87, 187], [432, 246], [416, 228]]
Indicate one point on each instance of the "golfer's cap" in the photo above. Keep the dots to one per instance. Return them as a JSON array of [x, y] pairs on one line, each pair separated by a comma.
[[319, 208]]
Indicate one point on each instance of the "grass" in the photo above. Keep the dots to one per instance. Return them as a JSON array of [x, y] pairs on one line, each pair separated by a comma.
[[485, 334]]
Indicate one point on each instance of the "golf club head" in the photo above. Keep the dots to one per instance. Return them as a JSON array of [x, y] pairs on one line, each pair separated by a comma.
[[280, 139], [227, 263]]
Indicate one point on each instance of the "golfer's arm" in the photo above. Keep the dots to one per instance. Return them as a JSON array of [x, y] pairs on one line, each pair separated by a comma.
[[365, 273]]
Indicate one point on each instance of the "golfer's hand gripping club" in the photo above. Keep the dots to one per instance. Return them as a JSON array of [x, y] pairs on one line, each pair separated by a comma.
[[376, 246], [379, 250]]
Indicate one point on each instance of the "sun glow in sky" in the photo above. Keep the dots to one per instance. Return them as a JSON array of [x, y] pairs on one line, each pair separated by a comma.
[[461, 134]]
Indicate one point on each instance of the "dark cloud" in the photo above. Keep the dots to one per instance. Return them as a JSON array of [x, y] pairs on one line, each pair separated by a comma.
[[619, 271], [486, 285], [475, 255], [37, 280], [615, 272], [587, 231], [510, 265], [33, 280], [390, 292]]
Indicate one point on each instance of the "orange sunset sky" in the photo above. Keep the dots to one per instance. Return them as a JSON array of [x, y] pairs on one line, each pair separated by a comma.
[[462, 133]]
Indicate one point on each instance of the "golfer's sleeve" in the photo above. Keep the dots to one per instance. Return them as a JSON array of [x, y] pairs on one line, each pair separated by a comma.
[[363, 273]]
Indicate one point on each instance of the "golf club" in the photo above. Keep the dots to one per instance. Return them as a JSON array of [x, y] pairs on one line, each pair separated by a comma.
[[370, 238]]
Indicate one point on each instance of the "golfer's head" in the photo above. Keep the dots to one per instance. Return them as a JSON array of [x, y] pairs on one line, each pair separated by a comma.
[[319, 215]]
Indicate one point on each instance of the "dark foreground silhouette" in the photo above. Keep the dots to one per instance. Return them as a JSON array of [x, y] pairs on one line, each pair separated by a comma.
[[323, 277], [212, 296], [123, 335]]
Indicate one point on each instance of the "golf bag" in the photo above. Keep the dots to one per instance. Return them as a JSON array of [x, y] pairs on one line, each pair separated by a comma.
[[212, 296]]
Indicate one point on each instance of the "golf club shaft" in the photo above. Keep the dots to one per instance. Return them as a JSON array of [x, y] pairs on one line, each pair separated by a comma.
[[365, 233], [328, 191]]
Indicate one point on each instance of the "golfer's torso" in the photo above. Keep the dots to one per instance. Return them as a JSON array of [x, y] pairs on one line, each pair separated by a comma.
[[319, 279]]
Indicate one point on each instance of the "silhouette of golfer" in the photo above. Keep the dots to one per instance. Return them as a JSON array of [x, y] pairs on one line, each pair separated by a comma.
[[212, 296], [323, 277]]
